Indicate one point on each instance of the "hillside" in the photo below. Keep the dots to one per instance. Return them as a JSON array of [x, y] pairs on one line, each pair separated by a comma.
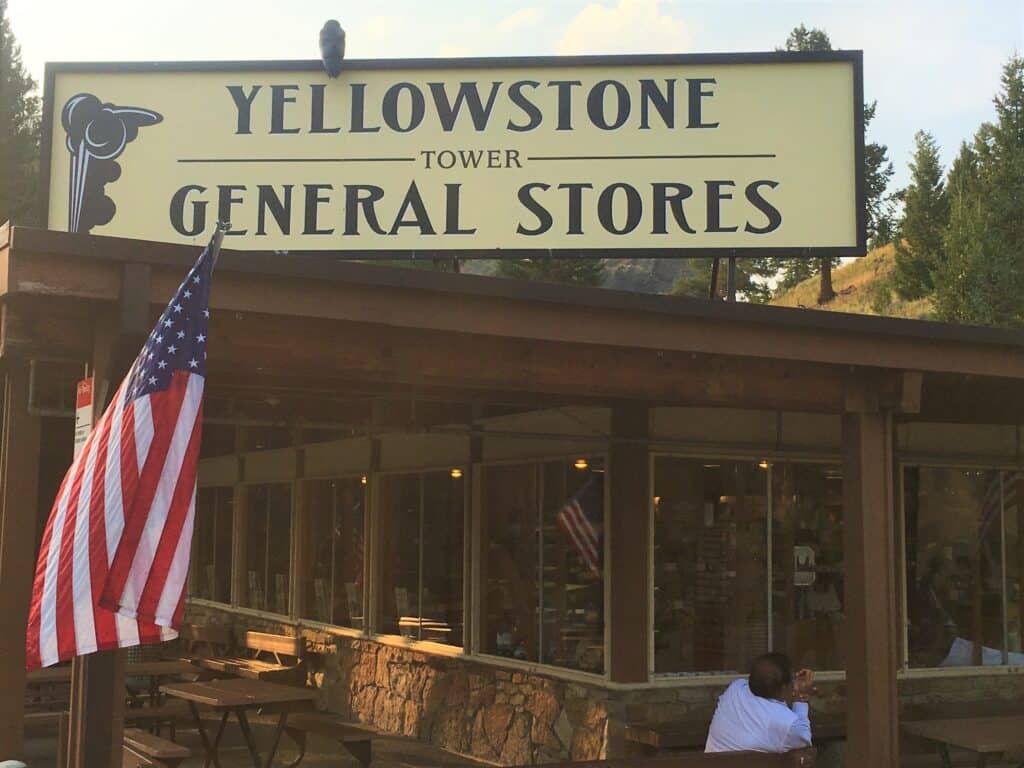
[[862, 288]]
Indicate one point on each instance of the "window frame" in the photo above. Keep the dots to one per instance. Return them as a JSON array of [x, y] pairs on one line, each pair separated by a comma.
[[479, 551], [376, 613], [772, 457], [243, 511], [922, 462]]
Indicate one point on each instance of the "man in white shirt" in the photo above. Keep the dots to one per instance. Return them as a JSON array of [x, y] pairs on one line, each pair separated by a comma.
[[766, 712]]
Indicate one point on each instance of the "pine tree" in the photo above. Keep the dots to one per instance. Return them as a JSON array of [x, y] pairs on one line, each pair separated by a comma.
[[574, 271], [982, 281], [877, 173], [919, 251], [19, 131], [750, 285]]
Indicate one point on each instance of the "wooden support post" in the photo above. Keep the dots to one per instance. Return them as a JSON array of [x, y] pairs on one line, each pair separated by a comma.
[[869, 528], [97, 680], [19, 487], [627, 530]]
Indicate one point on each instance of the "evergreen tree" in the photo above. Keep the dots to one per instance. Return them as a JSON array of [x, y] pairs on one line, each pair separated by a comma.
[[982, 280], [877, 172], [888, 222], [19, 131], [574, 271], [750, 285], [919, 251]]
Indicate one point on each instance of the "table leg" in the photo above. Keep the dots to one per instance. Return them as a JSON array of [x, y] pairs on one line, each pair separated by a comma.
[[982, 759], [944, 755], [208, 747], [277, 737], [243, 721]]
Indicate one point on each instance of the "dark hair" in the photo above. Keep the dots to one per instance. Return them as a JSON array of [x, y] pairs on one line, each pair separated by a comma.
[[769, 674]]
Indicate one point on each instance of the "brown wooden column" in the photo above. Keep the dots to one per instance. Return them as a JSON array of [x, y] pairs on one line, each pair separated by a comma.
[[627, 531], [19, 487], [872, 650]]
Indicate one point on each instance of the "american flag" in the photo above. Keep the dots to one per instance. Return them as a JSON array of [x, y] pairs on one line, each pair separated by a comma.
[[114, 556], [576, 521]]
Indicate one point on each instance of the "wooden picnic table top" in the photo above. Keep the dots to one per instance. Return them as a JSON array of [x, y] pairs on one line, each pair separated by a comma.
[[162, 668], [235, 693], [978, 734]]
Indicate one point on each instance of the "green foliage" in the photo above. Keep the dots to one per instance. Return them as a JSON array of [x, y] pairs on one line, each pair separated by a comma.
[[750, 285], [982, 279], [804, 39], [19, 131], [574, 271], [919, 251]]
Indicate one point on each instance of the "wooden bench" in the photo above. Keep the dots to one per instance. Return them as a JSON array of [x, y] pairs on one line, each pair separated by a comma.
[[200, 641], [144, 749], [153, 718], [356, 739], [693, 732], [262, 656], [801, 758], [36, 723]]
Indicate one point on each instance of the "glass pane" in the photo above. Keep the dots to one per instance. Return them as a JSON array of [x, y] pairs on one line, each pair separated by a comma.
[[443, 522], [350, 507], [710, 560], [268, 547], [1014, 516], [223, 535], [807, 564], [509, 570], [573, 565], [400, 544], [203, 565], [255, 587], [954, 566], [279, 547], [317, 571]]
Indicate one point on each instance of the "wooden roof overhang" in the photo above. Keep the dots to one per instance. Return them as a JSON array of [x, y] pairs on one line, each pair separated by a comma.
[[309, 323]]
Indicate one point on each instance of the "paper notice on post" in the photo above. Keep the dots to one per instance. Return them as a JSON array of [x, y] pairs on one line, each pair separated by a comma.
[[83, 413]]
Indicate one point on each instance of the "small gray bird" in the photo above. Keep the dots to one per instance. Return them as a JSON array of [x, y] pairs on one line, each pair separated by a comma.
[[332, 47]]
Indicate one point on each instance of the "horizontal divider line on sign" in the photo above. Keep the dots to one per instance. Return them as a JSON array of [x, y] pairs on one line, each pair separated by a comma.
[[297, 160], [655, 157]]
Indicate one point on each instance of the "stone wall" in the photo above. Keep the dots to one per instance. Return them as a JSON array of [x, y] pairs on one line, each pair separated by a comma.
[[515, 717]]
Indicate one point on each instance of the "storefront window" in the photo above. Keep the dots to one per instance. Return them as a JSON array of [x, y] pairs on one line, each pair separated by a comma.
[[711, 565], [422, 524], [544, 528], [267, 547], [807, 564], [333, 570], [211, 545], [957, 606]]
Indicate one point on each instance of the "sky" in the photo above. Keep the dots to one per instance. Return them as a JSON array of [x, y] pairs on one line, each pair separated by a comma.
[[930, 64]]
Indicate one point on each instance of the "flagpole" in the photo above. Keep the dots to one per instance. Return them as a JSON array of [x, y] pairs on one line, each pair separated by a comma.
[[217, 240]]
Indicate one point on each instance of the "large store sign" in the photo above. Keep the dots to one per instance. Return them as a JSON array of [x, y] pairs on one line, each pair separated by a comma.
[[666, 155]]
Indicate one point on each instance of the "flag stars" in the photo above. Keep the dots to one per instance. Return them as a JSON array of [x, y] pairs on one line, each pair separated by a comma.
[[177, 308], [172, 349], [200, 338], [181, 334], [193, 363], [168, 323], [152, 380], [162, 364], [188, 294], [196, 280], [206, 313]]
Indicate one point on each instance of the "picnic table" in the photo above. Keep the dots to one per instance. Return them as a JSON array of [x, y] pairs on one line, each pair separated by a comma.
[[985, 736], [238, 696], [693, 733]]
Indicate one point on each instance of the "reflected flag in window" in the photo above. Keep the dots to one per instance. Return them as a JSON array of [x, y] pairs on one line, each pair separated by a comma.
[[576, 519]]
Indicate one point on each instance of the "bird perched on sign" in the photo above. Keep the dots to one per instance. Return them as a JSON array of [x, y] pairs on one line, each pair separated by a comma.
[[332, 47]]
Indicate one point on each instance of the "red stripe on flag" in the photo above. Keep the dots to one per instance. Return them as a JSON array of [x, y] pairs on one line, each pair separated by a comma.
[[165, 408], [180, 504], [103, 621], [67, 642]]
